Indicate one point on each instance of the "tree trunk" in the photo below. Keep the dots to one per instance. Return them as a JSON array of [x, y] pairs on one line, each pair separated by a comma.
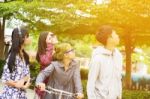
[[2, 44], [128, 51]]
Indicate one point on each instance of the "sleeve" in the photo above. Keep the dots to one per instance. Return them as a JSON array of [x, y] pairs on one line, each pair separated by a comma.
[[92, 77], [45, 59], [44, 74], [77, 80], [120, 80], [6, 75]]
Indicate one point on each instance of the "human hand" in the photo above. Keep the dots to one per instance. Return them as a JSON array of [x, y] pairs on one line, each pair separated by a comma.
[[26, 84], [119, 97], [19, 83], [80, 96], [41, 86]]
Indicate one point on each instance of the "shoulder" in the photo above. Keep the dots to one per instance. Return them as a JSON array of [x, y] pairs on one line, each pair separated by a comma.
[[118, 53], [97, 53], [75, 62], [97, 50], [56, 64], [97, 58]]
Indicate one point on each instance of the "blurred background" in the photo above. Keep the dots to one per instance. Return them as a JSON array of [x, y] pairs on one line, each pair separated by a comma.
[[76, 21]]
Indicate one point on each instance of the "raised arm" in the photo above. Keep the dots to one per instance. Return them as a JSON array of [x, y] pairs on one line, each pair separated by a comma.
[[44, 74]]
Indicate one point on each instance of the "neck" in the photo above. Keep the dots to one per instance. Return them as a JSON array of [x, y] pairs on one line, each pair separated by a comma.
[[110, 47], [66, 63], [22, 47]]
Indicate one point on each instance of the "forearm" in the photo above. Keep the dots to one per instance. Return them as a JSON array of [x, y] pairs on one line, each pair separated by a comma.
[[11, 83], [79, 88], [44, 74], [40, 78], [17, 84]]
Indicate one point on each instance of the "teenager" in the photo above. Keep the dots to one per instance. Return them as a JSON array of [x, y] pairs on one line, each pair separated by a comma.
[[104, 79], [16, 74], [64, 73]]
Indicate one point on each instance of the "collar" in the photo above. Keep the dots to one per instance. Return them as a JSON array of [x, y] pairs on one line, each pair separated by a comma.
[[108, 52], [60, 64]]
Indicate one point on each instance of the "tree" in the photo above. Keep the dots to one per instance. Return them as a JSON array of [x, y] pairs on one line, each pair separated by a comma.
[[56, 15], [81, 17], [130, 17], [6, 12]]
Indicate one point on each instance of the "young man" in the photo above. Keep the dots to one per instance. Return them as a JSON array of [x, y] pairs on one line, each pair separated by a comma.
[[104, 79]]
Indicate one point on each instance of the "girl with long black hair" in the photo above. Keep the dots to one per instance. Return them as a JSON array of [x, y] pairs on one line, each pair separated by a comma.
[[16, 74]]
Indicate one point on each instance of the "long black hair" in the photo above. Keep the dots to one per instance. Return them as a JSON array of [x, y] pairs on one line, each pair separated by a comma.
[[18, 37]]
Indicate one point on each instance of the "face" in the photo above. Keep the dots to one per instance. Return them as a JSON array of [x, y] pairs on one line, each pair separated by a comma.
[[70, 53], [51, 38], [27, 40], [114, 38]]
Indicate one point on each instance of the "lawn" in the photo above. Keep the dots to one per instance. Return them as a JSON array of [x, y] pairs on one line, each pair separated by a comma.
[[127, 94]]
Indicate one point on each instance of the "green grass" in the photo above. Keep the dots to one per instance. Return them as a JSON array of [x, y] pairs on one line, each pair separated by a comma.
[[135, 94], [127, 94]]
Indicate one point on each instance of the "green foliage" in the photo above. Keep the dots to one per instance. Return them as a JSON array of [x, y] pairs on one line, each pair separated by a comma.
[[34, 69], [84, 73], [62, 14], [83, 49], [84, 83], [127, 16], [2, 62], [9, 9], [135, 94], [83, 46]]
